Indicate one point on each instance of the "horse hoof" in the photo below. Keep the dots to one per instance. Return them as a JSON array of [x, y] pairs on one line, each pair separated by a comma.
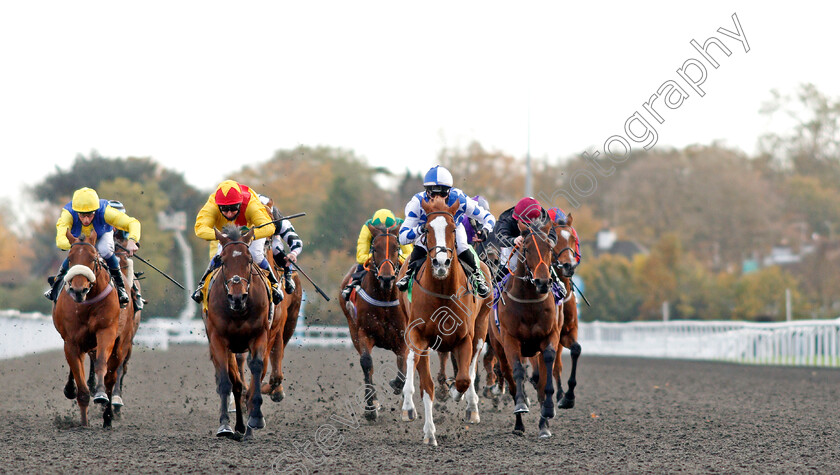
[[521, 408], [431, 441], [70, 393], [566, 403], [100, 398], [249, 434], [472, 417], [370, 414], [409, 415], [256, 422], [547, 411], [456, 396], [117, 413], [225, 431], [278, 396], [117, 402], [518, 432], [397, 385], [545, 433]]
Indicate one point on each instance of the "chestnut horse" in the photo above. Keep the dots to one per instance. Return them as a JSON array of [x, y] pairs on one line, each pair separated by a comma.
[[443, 316], [87, 315], [529, 325], [237, 320], [374, 316]]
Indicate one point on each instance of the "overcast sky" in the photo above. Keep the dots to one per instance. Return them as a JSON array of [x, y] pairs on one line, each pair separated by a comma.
[[205, 87]]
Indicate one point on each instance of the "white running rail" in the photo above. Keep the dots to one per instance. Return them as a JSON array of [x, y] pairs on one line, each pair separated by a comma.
[[799, 343]]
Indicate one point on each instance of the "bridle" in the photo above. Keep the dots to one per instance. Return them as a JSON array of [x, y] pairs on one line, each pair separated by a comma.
[[236, 279], [529, 273], [96, 260], [450, 253], [555, 256], [377, 269]]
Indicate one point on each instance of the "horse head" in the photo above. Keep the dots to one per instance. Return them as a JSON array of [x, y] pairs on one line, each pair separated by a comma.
[[385, 259], [83, 262], [564, 256], [236, 265], [535, 254], [440, 234]]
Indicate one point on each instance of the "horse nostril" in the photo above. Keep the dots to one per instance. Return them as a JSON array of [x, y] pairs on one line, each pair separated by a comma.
[[447, 262]]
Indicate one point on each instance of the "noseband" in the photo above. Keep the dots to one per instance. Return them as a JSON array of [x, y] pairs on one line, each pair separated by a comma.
[[529, 274], [236, 279], [96, 259]]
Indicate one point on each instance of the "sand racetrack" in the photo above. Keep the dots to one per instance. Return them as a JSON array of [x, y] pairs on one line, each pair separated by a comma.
[[632, 415]]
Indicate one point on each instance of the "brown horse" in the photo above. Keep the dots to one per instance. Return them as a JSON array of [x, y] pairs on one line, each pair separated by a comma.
[[374, 316], [282, 328], [129, 323], [87, 315], [237, 320], [564, 262], [443, 316], [529, 324]]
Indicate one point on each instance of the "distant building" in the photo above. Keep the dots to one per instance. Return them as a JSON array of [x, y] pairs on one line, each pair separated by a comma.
[[606, 242]]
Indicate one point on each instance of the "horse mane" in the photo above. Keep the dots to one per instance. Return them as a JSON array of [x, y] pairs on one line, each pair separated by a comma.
[[232, 232]]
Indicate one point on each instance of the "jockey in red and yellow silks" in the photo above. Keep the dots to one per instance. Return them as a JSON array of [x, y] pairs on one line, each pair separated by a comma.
[[384, 218], [84, 214], [235, 203]]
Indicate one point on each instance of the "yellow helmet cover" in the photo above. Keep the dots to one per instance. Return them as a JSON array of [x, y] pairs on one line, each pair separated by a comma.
[[85, 200]]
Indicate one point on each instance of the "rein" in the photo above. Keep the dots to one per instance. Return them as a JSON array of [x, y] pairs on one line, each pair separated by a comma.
[[236, 279]]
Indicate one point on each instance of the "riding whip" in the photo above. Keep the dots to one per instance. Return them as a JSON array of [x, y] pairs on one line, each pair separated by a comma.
[[144, 261]]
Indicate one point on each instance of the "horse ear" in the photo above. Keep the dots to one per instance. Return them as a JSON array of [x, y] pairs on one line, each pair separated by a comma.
[[222, 238], [374, 231], [569, 219], [248, 236], [93, 236], [426, 205], [70, 237], [454, 208]]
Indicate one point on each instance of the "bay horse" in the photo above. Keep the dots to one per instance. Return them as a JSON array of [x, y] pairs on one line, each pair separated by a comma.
[[374, 314], [529, 324], [442, 316], [564, 261], [87, 315], [236, 321]]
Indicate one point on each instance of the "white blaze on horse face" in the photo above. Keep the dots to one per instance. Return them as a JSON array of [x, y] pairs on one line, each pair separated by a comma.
[[439, 225], [237, 253], [566, 234]]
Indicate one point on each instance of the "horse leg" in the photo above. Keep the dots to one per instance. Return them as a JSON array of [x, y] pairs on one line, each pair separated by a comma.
[[443, 384], [275, 357], [256, 363], [409, 413], [398, 383], [568, 400], [366, 362], [490, 382], [91, 381], [219, 355], [70, 387], [105, 340], [236, 382], [547, 389], [518, 370], [427, 389], [535, 371], [116, 394], [114, 363], [472, 396], [75, 360]]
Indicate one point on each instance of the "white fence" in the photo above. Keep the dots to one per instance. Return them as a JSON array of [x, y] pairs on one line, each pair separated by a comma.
[[800, 343]]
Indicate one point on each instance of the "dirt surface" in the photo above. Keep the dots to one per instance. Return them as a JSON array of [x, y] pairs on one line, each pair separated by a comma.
[[632, 416]]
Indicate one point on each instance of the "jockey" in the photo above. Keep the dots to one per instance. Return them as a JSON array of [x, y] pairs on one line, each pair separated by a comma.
[[438, 182], [283, 232], [121, 236], [87, 213], [235, 203], [558, 216], [512, 223], [383, 218]]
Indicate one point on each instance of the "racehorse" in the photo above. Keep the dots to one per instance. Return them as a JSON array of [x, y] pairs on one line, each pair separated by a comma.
[[87, 315], [442, 316], [236, 321], [564, 262], [528, 324], [374, 314], [129, 323], [282, 328]]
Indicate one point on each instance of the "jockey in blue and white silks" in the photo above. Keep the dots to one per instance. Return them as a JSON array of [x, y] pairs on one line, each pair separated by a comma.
[[438, 182]]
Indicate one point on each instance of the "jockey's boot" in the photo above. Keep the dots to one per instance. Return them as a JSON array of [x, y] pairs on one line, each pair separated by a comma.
[[468, 258], [276, 293], [289, 281], [120, 283], [355, 281], [214, 262], [418, 255], [56, 282], [138, 299]]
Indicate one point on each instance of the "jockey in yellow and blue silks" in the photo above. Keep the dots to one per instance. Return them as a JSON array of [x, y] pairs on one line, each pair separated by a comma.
[[235, 203], [87, 213], [438, 182], [381, 218]]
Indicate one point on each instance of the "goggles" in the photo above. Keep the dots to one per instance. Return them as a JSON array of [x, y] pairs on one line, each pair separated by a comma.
[[228, 208]]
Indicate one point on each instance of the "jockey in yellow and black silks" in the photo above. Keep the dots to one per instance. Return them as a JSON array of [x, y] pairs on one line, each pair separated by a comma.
[[384, 218], [87, 213], [235, 203]]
